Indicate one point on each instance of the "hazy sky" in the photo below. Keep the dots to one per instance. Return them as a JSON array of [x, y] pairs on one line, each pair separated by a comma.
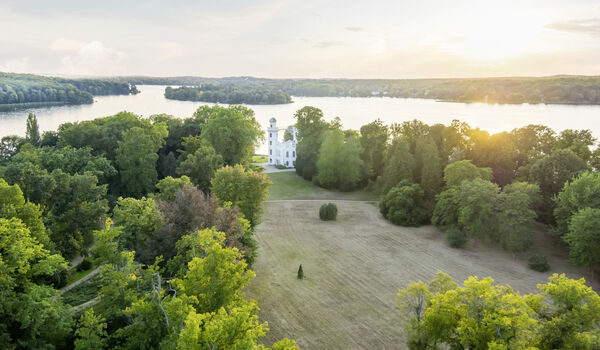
[[301, 38]]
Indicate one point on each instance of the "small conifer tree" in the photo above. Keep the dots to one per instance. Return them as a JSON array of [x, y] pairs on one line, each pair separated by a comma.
[[300, 273]]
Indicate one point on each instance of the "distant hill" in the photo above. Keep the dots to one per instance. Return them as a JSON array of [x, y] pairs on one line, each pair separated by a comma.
[[560, 89], [18, 89]]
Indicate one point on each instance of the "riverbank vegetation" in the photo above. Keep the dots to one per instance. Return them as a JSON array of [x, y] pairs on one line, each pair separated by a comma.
[[30, 89], [229, 94], [560, 89]]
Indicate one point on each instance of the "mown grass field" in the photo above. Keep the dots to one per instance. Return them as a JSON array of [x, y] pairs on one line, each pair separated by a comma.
[[354, 267], [287, 185]]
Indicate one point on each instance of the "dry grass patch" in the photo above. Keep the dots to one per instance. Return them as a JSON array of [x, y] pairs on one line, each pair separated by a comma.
[[353, 268]]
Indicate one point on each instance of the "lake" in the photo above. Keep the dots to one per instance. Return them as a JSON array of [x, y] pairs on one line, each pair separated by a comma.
[[354, 112]]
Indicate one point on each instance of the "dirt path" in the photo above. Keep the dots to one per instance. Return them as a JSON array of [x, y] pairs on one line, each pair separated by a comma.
[[354, 267], [67, 288]]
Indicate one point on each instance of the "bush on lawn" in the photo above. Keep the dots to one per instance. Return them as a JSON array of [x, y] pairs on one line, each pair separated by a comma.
[[328, 212], [539, 263], [456, 238], [405, 205], [85, 265]]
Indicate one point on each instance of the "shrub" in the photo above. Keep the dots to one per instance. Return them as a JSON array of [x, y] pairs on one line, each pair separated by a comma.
[[85, 265], [300, 272], [539, 263], [456, 238], [280, 166], [405, 205], [328, 212]]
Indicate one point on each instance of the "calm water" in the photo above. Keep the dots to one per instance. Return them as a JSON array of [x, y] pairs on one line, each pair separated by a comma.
[[353, 111]]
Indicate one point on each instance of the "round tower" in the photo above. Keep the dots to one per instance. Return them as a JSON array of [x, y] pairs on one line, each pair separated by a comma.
[[273, 137]]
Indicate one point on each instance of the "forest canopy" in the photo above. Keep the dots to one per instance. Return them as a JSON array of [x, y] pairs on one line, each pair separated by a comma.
[[27, 88], [230, 94]]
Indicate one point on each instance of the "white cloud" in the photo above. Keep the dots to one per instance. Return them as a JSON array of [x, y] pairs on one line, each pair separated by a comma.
[[93, 58], [17, 65], [62, 44]]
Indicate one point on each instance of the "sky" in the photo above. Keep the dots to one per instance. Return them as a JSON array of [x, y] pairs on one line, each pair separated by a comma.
[[301, 38]]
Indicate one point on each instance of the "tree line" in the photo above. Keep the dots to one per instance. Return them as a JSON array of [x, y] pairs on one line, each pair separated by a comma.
[[166, 206], [471, 184], [561, 89], [229, 94], [27, 88]]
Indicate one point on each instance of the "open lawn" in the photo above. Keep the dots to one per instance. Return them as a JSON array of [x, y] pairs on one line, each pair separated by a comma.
[[353, 268], [259, 159], [288, 185]]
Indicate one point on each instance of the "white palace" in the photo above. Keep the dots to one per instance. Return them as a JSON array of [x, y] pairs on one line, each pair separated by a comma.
[[282, 152]]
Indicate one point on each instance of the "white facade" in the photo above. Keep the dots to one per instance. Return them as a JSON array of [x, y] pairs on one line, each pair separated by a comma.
[[281, 152]]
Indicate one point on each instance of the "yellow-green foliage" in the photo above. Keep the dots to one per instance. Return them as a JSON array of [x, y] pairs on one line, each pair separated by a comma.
[[482, 315]]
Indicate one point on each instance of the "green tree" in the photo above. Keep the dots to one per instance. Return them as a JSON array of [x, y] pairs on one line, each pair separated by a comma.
[[578, 141], [201, 166], [78, 207], [169, 186], [32, 132], [478, 202], [311, 130], [13, 205], [232, 131], [216, 277], [140, 220], [455, 173], [136, 158], [405, 205], [91, 332], [446, 208], [550, 173], [399, 165], [517, 217], [30, 317], [339, 164], [428, 166], [583, 238], [570, 314], [245, 189], [582, 192], [374, 137]]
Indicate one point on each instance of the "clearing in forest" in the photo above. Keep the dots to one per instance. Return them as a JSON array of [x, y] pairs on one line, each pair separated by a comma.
[[354, 266]]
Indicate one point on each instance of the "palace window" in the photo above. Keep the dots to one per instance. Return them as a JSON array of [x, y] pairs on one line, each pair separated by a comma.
[[270, 142], [270, 134], [270, 152], [287, 154], [293, 153]]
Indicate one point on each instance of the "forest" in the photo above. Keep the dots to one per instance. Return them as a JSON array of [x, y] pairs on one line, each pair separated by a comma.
[[27, 88], [162, 209], [229, 94], [560, 89]]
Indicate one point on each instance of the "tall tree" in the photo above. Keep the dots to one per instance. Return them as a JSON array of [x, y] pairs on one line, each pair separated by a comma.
[[232, 131], [201, 166], [455, 173], [339, 164], [32, 132], [582, 192], [428, 166], [374, 137], [583, 238], [311, 130], [399, 164], [140, 219], [136, 158], [243, 188]]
